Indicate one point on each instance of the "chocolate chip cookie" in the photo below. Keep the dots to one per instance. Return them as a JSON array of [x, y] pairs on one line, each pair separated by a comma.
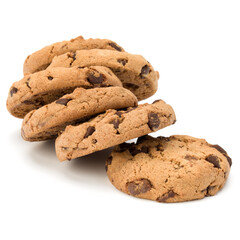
[[112, 128], [135, 72], [169, 169], [41, 59], [47, 121], [41, 88]]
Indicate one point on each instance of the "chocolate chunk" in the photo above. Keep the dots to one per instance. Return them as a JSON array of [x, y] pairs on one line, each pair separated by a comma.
[[74, 56], [114, 45], [190, 157], [214, 160], [221, 150], [95, 80], [50, 78], [123, 61], [89, 131], [145, 70], [94, 141], [131, 86], [115, 123], [139, 186], [166, 196], [13, 91], [153, 121], [63, 101]]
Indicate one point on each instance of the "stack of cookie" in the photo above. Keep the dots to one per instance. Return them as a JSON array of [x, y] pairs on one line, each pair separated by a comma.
[[85, 94]]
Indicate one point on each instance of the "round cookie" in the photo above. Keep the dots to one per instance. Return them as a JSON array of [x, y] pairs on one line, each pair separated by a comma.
[[112, 128], [135, 72], [40, 88], [47, 121], [40, 60], [168, 169]]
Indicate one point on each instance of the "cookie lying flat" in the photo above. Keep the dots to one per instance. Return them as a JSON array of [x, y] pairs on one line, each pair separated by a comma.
[[174, 169], [135, 72], [41, 59], [112, 128], [38, 89], [49, 120]]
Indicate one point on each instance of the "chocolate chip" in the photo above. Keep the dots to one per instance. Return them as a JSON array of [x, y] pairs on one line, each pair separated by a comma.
[[131, 86], [114, 45], [13, 91], [153, 121], [74, 56], [214, 160], [28, 102], [108, 162], [119, 113], [139, 186], [89, 131], [123, 147], [142, 138], [144, 149], [145, 70], [190, 157], [115, 123], [50, 78], [130, 109], [95, 80], [158, 100], [63, 101], [134, 151], [94, 141], [221, 150], [166, 196], [123, 61]]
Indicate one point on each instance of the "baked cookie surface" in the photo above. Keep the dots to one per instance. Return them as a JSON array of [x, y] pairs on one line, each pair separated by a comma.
[[112, 128], [168, 169], [41, 88], [47, 121], [41, 59], [135, 72]]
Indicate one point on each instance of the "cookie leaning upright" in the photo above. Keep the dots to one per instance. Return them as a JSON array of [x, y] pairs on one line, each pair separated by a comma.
[[135, 72], [42, 58], [41, 88], [112, 128], [47, 121], [169, 169]]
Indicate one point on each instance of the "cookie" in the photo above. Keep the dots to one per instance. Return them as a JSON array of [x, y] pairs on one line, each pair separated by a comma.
[[112, 128], [169, 169], [41, 88], [41, 59], [135, 72], [47, 121]]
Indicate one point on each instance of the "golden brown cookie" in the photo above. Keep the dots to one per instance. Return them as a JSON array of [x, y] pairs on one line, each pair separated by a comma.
[[169, 169], [38, 89], [47, 121], [112, 128], [41, 59], [135, 72]]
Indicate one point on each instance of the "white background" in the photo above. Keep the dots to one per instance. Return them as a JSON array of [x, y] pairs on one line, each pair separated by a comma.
[[195, 45]]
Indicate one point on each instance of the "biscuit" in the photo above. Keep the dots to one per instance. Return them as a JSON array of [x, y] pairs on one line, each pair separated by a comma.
[[112, 128], [47, 121], [135, 72], [40, 60], [40, 88], [169, 169]]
